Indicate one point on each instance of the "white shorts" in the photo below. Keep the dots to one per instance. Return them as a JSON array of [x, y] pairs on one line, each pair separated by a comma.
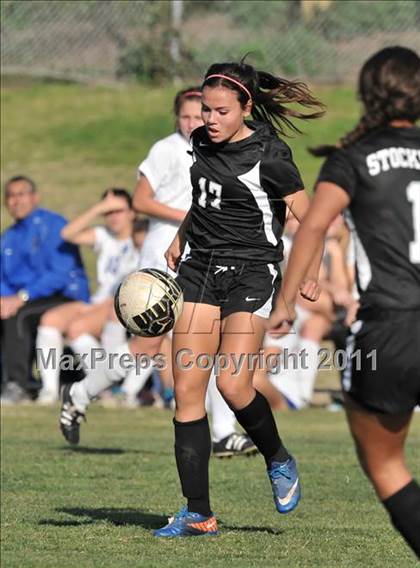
[[152, 255], [282, 342]]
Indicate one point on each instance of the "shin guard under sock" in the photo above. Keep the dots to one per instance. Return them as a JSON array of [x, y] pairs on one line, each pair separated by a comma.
[[258, 422], [192, 453], [404, 510]]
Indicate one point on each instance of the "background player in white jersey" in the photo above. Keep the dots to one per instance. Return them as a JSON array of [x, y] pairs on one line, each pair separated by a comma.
[[374, 171], [164, 194], [81, 324]]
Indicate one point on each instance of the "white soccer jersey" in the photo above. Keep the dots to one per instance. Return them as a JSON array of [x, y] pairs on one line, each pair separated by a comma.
[[116, 259], [167, 168]]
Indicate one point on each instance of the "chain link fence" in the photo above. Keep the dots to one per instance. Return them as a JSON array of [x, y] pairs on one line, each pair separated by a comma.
[[115, 40]]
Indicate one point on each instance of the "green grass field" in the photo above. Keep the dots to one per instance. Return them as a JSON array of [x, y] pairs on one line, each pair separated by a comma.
[[97, 505]]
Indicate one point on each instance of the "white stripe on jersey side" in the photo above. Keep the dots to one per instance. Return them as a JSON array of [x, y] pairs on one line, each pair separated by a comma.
[[364, 270], [186, 254], [350, 342], [252, 181], [265, 310]]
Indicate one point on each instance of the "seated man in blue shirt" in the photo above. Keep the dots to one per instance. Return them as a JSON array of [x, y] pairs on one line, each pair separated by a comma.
[[38, 271]]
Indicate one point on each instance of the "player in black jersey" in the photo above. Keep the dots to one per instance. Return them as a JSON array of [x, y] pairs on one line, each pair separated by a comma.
[[243, 178], [374, 172]]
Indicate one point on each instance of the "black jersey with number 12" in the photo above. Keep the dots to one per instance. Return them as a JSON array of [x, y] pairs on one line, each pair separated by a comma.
[[381, 174], [238, 212]]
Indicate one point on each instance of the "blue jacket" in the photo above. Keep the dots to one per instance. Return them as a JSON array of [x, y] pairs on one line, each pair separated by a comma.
[[34, 257]]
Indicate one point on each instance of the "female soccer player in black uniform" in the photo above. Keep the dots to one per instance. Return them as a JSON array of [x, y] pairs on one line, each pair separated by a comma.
[[374, 171], [243, 178]]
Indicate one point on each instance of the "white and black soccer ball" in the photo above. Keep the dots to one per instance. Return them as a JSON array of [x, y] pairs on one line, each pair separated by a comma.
[[148, 302]]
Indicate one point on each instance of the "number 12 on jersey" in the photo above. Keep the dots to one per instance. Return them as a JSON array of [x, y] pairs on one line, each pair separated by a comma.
[[413, 195], [211, 193]]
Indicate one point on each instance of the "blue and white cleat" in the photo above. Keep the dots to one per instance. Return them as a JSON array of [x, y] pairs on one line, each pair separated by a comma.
[[185, 523], [285, 484]]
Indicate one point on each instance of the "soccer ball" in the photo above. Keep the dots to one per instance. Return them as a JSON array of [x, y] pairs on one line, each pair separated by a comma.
[[148, 302]]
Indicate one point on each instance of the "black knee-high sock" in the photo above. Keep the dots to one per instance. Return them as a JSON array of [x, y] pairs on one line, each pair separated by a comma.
[[258, 422], [192, 453], [404, 510]]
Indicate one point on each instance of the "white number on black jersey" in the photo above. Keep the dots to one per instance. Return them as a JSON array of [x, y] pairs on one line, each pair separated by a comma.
[[413, 195], [209, 189]]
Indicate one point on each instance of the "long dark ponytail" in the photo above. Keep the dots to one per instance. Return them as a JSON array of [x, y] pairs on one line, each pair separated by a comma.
[[270, 95], [389, 88]]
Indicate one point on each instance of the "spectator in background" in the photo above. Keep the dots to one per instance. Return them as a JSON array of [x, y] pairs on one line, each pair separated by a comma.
[[113, 333], [292, 387], [39, 271], [80, 322]]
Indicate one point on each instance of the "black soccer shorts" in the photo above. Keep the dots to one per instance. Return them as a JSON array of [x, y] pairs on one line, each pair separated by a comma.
[[383, 364], [235, 287]]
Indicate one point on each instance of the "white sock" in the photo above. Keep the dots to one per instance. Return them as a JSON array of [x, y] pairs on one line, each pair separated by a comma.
[[223, 419], [308, 373], [113, 334], [49, 341], [290, 342], [287, 382], [135, 380], [287, 378], [106, 370], [84, 345]]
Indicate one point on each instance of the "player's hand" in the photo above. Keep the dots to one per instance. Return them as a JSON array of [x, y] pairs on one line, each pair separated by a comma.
[[111, 202], [351, 313], [281, 320], [9, 306], [310, 289], [173, 254]]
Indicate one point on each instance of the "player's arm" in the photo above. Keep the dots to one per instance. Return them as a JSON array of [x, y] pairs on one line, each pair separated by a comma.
[[298, 204], [78, 231], [329, 200], [144, 202]]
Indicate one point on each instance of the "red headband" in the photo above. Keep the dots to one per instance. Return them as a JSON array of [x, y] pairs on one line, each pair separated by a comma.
[[232, 81], [192, 94]]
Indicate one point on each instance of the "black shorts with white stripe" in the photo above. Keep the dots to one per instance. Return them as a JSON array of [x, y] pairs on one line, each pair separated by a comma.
[[244, 287], [383, 371]]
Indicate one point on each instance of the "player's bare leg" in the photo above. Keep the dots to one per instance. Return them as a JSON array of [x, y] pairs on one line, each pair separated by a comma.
[[197, 331], [379, 441], [90, 321], [242, 335], [61, 316], [263, 384]]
